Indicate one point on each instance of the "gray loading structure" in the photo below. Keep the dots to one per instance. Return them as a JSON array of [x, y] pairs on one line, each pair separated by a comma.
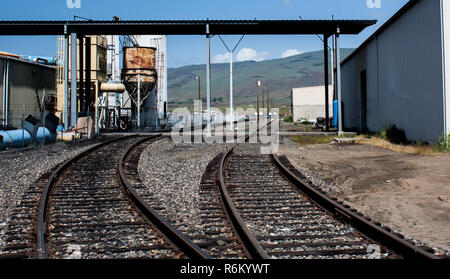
[[139, 76]]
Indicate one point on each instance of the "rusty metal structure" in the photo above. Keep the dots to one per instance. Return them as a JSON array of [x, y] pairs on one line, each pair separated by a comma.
[[140, 77], [139, 62]]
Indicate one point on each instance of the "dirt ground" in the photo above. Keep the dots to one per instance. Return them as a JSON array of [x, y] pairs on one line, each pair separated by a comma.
[[409, 193]]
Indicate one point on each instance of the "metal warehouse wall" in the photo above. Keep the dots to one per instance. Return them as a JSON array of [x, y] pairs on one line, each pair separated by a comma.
[[24, 79], [446, 34], [404, 76]]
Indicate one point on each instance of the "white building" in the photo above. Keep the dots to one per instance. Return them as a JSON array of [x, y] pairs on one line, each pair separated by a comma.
[[308, 103], [160, 43], [401, 74]]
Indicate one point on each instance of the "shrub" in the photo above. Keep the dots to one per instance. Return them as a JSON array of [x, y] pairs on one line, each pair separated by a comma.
[[288, 119], [442, 145], [394, 135]]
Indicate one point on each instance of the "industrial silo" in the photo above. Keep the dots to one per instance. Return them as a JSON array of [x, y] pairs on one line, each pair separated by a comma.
[[139, 76]]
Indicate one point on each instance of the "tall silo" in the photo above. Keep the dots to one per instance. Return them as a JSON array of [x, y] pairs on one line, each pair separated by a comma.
[[140, 76]]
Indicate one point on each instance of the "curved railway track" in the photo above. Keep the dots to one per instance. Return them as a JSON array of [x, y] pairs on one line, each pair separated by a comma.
[[88, 208], [278, 215], [251, 206], [84, 212]]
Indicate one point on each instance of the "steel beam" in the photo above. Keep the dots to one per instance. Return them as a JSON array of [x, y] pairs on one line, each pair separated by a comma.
[[73, 79], [338, 81], [231, 90], [325, 64], [208, 80], [81, 94], [87, 79], [185, 27], [66, 79]]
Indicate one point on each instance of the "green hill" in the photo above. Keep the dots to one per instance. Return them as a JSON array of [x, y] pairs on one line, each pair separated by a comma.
[[280, 75]]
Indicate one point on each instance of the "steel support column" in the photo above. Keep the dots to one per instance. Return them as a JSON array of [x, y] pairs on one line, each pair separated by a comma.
[[73, 80], [325, 65], [66, 79], [338, 81], [138, 102], [88, 93], [231, 91], [257, 101], [208, 80], [81, 94]]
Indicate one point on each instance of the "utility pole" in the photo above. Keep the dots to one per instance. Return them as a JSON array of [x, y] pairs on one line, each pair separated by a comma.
[[258, 86], [198, 78], [262, 97], [230, 53]]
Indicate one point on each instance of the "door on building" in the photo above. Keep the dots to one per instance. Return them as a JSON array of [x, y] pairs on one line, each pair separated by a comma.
[[363, 104]]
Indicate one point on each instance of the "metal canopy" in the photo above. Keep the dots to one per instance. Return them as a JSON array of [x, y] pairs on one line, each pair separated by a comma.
[[185, 27]]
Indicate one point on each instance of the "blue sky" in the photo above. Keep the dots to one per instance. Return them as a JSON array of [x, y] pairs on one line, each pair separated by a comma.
[[185, 50]]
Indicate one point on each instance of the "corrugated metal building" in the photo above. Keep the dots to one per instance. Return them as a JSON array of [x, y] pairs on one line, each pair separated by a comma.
[[22, 88], [308, 103], [401, 74]]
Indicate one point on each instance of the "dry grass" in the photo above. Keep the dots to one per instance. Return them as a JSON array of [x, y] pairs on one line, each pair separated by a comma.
[[419, 149]]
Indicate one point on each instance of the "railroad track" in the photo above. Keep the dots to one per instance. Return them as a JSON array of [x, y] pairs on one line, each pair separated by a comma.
[[252, 206], [215, 235], [87, 209], [278, 215]]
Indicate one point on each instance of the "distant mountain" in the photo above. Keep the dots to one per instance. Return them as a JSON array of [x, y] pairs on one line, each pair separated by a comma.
[[280, 75]]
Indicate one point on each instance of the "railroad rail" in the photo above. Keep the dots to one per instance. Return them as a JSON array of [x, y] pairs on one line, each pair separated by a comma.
[[128, 171], [84, 207], [279, 215], [252, 206]]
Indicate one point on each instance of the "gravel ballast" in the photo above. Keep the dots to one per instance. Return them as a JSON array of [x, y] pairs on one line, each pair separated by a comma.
[[20, 168], [172, 172]]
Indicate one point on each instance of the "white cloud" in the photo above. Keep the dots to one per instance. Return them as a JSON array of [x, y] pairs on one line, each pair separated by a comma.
[[246, 54], [221, 58], [290, 52], [286, 2]]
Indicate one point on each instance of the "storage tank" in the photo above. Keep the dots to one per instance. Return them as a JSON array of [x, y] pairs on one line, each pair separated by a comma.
[[139, 61]]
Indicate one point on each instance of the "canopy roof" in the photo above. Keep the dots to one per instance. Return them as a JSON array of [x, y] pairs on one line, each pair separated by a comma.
[[185, 27]]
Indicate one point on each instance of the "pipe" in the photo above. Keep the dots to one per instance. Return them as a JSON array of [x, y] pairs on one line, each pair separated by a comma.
[[41, 59], [6, 86], [14, 138], [43, 135], [4, 95], [112, 87]]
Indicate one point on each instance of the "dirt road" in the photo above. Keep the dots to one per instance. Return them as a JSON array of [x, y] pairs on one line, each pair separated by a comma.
[[409, 193]]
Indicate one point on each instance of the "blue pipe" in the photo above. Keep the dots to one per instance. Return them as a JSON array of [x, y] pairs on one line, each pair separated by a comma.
[[15, 138], [42, 59], [44, 135]]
